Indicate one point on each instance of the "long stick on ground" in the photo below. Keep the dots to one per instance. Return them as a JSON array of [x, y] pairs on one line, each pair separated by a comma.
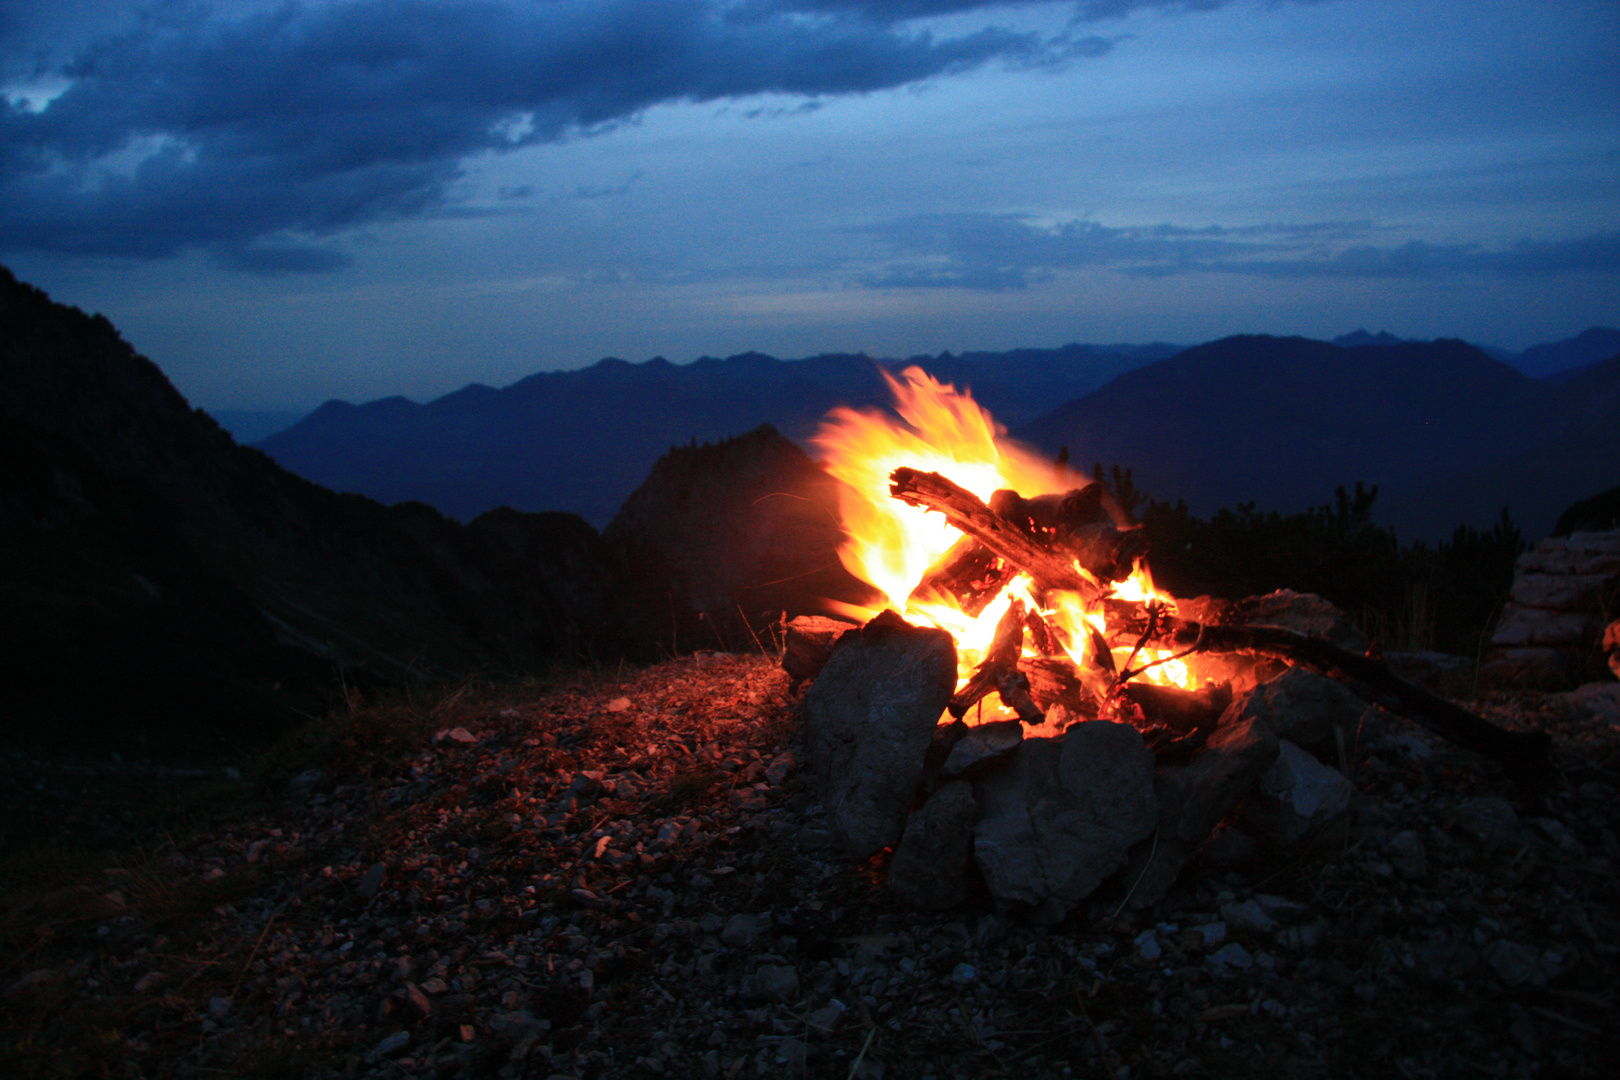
[[1526, 755]]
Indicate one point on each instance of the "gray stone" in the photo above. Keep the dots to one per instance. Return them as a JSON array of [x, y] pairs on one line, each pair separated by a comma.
[[1521, 965], [825, 1020], [772, 982], [983, 747], [1228, 962], [740, 931], [514, 1026], [1195, 795], [1305, 708], [1408, 856], [1444, 956], [1298, 797], [1559, 590], [1526, 626], [1492, 821], [1580, 553], [1062, 817], [1598, 701], [371, 881], [871, 714], [393, 1044], [1303, 613], [1300, 938], [1447, 675], [1248, 916], [1532, 667], [930, 866]]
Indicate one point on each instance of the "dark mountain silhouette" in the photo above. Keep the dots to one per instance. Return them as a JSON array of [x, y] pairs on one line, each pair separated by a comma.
[[582, 440], [248, 426], [1576, 452], [1283, 421], [159, 581], [1356, 338], [721, 538], [1561, 360]]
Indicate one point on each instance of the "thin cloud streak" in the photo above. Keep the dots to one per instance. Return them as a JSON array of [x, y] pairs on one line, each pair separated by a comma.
[[995, 251]]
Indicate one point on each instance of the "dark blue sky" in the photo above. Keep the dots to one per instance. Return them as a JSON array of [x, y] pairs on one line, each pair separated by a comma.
[[283, 202]]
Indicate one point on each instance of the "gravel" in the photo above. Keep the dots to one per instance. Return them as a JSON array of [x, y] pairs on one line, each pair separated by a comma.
[[629, 877]]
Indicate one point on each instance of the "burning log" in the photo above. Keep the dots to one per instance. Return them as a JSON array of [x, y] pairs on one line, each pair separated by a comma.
[[1053, 681], [1526, 756], [967, 512], [1024, 540], [999, 672], [970, 573]]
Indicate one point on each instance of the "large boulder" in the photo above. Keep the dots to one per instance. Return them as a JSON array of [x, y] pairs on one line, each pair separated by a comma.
[[931, 866], [1062, 817], [870, 716]]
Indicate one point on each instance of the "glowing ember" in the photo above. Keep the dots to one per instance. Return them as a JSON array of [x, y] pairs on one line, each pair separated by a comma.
[[893, 545]]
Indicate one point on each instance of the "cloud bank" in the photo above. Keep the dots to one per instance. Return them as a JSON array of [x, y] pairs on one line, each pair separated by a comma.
[[243, 133], [999, 251]]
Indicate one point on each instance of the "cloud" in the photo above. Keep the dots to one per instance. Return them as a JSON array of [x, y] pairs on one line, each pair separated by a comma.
[[199, 130], [1097, 10], [281, 259], [894, 11], [999, 251]]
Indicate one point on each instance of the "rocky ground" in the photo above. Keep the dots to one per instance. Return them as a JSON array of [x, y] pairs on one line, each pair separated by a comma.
[[625, 876]]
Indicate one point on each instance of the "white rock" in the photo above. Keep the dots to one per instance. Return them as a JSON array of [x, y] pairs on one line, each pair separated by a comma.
[[1300, 796], [1248, 916], [1228, 962]]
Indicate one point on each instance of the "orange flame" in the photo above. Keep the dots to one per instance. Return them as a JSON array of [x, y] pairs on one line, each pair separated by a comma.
[[892, 545]]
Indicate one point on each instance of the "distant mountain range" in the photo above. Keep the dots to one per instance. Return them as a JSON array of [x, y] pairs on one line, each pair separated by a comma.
[[1447, 430], [583, 440]]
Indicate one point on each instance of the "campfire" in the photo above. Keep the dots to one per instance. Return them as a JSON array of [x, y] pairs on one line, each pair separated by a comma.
[[1034, 570], [1029, 710]]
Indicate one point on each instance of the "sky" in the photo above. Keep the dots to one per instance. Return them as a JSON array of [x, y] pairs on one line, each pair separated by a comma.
[[282, 203]]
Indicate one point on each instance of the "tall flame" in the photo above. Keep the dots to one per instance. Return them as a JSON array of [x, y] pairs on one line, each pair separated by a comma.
[[891, 544]]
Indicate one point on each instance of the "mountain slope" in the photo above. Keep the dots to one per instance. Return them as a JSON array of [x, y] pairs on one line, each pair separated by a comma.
[[1585, 349], [157, 579], [582, 440], [1571, 458], [1284, 420]]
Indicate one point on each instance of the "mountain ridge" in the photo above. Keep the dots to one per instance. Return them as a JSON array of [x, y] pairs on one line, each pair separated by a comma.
[[582, 440]]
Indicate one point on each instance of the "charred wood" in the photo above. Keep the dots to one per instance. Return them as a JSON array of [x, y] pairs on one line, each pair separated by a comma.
[[999, 665], [1054, 681], [1079, 523], [1047, 639], [969, 573], [1180, 710], [967, 512]]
